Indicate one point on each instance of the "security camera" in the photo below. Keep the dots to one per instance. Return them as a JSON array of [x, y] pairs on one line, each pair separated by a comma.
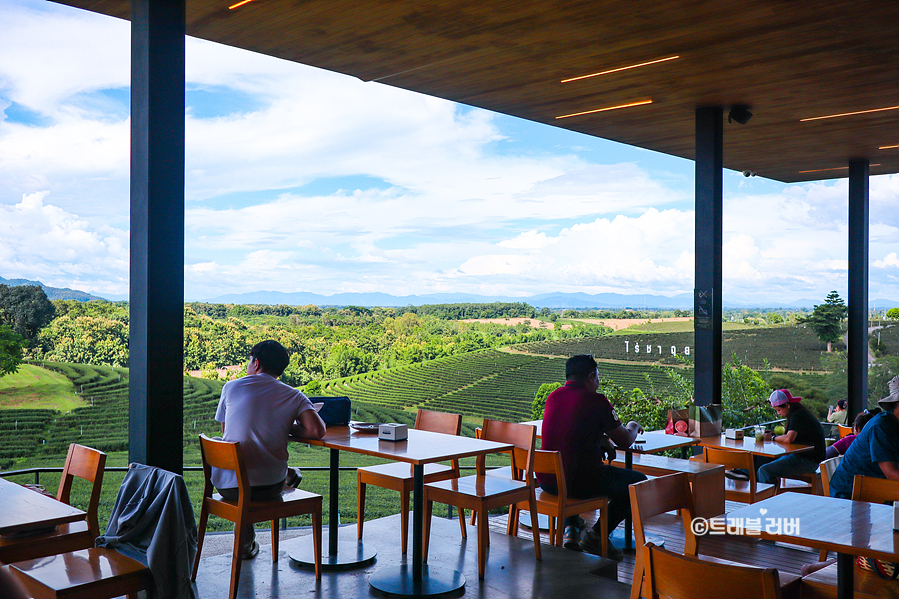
[[739, 113], [749, 173]]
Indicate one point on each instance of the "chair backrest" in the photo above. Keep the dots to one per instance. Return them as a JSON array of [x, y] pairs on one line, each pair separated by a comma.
[[227, 456], [524, 439], [874, 490], [88, 464], [733, 458], [685, 577], [828, 467], [438, 422], [655, 496], [844, 430], [550, 462]]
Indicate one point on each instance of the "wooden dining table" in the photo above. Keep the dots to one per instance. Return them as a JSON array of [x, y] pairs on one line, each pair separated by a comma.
[[771, 449], [25, 513], [849, 528], [421, 447]]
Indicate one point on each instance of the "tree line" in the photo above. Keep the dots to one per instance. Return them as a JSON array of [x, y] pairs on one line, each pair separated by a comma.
[[324, 343]]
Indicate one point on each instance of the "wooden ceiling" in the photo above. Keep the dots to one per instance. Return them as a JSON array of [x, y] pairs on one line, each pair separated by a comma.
[[787, 60]]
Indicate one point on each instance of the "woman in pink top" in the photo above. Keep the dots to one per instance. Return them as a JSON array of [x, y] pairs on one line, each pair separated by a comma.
[[840, 447]]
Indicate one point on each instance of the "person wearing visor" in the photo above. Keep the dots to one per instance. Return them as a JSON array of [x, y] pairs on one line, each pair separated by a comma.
[[875, 452], [802, 428]]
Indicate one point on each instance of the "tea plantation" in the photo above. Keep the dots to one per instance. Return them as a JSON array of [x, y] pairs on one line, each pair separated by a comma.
[[486, 383], [40, 438], [788, 348]]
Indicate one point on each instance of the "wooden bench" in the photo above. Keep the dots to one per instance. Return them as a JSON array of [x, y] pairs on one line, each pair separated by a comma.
[[706, 480], [823, 585]]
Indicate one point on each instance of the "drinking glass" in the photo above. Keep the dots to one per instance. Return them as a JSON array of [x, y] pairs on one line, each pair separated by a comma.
[[759, 434]]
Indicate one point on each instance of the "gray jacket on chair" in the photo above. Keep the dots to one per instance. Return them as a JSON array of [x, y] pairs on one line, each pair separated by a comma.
[[153, 522]]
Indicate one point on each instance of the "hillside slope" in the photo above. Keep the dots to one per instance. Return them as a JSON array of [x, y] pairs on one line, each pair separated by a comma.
[[487, 383]]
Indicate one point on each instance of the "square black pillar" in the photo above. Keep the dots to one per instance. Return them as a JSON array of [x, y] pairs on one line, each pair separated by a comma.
[[857, 350], [157, 233], [707, 312]]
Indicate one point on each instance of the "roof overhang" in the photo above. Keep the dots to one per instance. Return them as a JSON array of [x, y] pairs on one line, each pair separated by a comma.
[[786, 60]]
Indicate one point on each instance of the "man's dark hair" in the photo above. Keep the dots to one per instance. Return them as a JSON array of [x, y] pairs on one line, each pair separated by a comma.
[[862, 419], [579, 367], [272, 357], [841, 404]]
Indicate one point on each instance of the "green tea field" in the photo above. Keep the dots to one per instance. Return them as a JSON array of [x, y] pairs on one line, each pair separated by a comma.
[[786, 348], [486, 383]]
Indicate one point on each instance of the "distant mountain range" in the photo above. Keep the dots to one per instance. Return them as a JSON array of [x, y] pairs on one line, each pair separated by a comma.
[[53, 293], [558, 300], [683, 301]]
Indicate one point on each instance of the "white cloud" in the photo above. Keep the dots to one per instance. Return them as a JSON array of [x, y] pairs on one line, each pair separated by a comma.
[[432, 197], [44, 242], [888, 261], [528, 240]]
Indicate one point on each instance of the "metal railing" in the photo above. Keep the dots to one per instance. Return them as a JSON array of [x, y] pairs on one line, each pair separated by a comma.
[[54, 469]]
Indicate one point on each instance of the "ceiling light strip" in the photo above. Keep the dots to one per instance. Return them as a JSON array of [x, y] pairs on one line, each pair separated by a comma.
[[633, 66], [640, 103], [239, 4], [833, 116], [888, 147], [836, 168]]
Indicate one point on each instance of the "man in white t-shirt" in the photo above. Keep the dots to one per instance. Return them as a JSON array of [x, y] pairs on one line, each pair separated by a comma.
[[259, 412]]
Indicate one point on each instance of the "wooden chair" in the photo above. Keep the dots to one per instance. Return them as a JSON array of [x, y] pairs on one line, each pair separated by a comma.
[[502, 472], [558, 507], [293, 502], [686, 577], [844, 430], [81, 462], [94, 573], [874, 490], [809, 483], [398, 476], [481, 493], [739, 490], [827, 467], [650, 498]]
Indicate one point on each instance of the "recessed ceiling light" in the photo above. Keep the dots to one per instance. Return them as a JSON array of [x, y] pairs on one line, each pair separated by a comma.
[[640, 103], [888, 147], [833, 116], [836, 168], [633, 66], [233, 6]]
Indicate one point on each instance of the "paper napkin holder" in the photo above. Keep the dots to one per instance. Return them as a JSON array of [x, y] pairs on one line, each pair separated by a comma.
[[392, 431]]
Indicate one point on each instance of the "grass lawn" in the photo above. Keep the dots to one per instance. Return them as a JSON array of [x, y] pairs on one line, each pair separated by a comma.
[[33, 387]]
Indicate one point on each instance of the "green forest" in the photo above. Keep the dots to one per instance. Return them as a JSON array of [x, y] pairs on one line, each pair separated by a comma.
[[324, 343]]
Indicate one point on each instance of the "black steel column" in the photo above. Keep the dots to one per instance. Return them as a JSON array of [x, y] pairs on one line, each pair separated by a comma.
[[157, 233], [857, 350], [707, 311]]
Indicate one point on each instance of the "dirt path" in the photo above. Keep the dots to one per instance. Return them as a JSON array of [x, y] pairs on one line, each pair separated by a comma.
[[617, 324]]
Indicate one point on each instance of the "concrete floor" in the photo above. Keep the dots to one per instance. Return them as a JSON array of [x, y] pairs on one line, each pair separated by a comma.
[[512, 571]]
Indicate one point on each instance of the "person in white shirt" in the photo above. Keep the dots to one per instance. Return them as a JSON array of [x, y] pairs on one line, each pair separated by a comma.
[[259, 412]]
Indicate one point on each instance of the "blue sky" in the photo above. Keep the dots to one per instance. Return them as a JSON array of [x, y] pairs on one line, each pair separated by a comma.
[[299, 179]]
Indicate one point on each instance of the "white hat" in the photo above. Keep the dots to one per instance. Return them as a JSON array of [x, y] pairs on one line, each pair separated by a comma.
[[887, 402]]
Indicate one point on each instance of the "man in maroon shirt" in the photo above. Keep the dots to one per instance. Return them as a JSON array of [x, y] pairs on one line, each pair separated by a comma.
[[581, 425]]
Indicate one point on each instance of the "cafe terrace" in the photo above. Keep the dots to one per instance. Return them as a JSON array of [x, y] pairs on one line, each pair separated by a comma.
[[791, 91]]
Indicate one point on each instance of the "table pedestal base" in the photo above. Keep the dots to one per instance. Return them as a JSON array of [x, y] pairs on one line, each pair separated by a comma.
[[349, 553], [397, 580], [524, 518]]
